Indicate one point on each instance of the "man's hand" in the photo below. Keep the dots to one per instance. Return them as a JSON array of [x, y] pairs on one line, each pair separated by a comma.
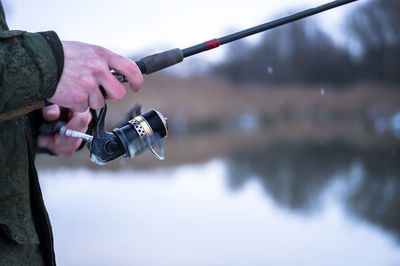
[[86, 67], [62, 145]]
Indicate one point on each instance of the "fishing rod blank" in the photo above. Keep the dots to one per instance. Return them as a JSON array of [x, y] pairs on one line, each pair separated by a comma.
[[155, 62]]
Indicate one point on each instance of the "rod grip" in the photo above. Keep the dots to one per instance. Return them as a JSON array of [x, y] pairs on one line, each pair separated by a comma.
[[156, 62]]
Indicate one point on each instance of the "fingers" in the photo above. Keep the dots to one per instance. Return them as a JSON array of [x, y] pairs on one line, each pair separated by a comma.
[[95, 100], [113, 88], [79, 121], [57, 145], [128, 68], [46, 142], [86, 67], [51, 113], [63, 145]]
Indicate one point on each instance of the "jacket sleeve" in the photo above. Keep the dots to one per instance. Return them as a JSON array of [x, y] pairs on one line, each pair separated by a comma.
[[31, 65]]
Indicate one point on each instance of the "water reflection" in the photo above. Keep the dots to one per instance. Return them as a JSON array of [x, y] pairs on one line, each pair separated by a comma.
[[187, 216], [296, 175], [322, 202], [388, 124]]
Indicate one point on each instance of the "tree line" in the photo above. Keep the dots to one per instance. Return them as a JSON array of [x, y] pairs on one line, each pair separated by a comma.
[[302, 52]]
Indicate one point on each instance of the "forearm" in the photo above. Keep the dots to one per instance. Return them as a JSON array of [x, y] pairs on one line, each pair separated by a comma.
[[30, 67]]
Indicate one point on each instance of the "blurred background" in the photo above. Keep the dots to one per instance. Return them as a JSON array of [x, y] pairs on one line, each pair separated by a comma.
[[283, 148]]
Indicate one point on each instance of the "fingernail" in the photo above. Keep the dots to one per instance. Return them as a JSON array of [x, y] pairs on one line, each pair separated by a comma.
[[42, 142], [51, 111]]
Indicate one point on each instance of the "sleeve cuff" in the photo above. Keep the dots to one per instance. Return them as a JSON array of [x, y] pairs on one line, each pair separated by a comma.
[[57, 48]]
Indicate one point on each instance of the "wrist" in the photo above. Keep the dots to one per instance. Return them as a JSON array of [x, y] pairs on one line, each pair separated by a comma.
[[57, 48]]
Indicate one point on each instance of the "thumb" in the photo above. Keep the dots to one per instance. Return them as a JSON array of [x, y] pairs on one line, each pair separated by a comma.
[[51, 113]]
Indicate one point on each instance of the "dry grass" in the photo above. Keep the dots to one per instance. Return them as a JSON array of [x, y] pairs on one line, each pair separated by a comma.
[[293, 113], [201, 98]]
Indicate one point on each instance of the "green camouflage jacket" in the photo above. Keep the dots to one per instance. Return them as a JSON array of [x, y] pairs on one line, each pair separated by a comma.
[[29, 71]]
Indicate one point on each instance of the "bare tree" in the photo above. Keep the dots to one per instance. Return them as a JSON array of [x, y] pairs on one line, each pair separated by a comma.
[[376, 28]]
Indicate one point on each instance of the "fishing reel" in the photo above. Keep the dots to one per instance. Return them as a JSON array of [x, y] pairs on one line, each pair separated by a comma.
[[145, 131]]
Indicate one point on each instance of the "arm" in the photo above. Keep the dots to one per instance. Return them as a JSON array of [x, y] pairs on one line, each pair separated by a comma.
[[35, 66], [29, 70]]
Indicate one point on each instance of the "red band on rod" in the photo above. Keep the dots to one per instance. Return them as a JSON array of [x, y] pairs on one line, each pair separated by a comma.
[[211, 44]]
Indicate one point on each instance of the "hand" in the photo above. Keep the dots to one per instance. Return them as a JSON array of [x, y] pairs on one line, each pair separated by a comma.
[[63, 145], [86, 67]]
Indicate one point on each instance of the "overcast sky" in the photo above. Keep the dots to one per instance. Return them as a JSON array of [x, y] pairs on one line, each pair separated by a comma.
[[132, 27]]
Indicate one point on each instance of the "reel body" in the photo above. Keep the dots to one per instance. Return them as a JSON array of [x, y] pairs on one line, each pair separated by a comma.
[[145, 131]]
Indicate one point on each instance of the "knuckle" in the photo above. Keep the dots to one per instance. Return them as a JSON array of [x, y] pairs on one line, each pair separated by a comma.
[[99, 50], [80, 98], [81, 107], [99, 67], [97, 103], [84, 121], [102, 70], [87, 82], [88, 65], [100, 104], [131, 67], [95, 66]]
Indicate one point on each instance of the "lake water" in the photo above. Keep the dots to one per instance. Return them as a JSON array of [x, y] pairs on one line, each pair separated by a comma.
[[297, 205]]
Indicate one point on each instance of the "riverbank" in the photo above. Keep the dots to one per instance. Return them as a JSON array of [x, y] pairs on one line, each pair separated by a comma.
[[213, 118]]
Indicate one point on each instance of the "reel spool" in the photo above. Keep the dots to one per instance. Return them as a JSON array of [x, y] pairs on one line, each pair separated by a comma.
[[145, 131]]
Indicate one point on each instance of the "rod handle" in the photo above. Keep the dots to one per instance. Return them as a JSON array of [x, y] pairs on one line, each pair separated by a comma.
[[51, 128], [155, 62]]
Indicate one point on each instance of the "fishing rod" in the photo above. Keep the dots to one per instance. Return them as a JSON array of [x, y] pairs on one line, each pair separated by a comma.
[[146, 131], [159, 61]]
